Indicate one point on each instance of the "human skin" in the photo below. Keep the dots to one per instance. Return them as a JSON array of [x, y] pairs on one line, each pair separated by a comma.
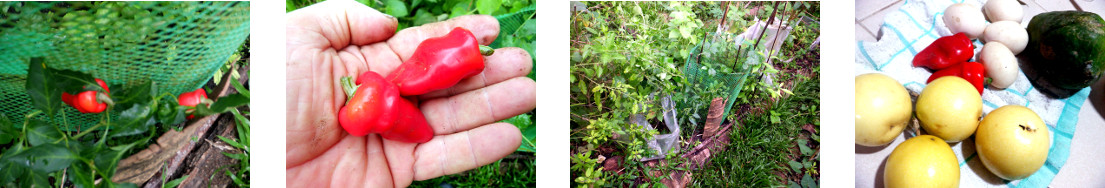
[[337, 38]]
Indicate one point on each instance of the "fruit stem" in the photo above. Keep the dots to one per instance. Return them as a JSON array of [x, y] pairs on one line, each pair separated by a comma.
[[486, 50], [102, 97], [349, 87]]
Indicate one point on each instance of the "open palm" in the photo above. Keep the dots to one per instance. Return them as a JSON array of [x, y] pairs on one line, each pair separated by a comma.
[[337, 38]]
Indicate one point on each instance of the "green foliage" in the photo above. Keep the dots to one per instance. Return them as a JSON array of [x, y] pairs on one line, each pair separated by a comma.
[[623, 52], [523, 36], [173, 183], [45, 148], [804, 167], [418, 12], [240, 176], [525, 124], [502, 173], [175, 44], [753, 154], [588, 175], [624, 57]]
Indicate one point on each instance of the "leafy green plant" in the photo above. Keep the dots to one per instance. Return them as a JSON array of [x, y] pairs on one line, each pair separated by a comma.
[[172, 183], [804, 167], [590, 175], [501, 173], [45, 147], [415, 13], [524, 123], [241, 177], [625, 56], [239, 174]]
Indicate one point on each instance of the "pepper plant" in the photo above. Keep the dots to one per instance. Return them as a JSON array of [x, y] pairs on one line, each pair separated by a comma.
[[47, 151], [625, 56]]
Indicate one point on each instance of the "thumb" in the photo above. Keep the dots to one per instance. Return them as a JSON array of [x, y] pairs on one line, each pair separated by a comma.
[[339, 23]]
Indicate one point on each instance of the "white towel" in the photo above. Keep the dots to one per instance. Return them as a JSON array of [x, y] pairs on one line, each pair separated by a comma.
[[909, 30]]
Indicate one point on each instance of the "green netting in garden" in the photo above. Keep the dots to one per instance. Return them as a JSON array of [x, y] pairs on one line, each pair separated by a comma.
[[178, 45], [697, 74], [508, 23], [515, 23]]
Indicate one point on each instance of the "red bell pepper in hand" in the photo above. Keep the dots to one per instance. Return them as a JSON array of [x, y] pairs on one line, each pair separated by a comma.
[[440, 63], [191, 99], [945, 52], [88, 101], [375, 106], [973, 72]]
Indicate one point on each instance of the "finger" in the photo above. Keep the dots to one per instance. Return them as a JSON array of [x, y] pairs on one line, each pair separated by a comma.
[[484, 27], [376, 57], [312, 108], [454, 153], [356, 161], [505, 64], [482, 106], [380, 58], [339, 23]]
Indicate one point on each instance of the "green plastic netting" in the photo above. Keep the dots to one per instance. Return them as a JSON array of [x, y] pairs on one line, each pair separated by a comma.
[[512, 24], [732, 83], [178, 45], [508, 23]]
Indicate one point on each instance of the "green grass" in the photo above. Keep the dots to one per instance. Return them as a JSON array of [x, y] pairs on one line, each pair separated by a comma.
[[757, 150], [291, 5], [502, 173]]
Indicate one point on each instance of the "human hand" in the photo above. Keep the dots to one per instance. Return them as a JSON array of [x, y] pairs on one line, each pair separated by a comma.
[[332, 39]]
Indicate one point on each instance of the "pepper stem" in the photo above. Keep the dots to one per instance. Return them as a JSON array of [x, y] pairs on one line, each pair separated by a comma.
[[100, 96], [486, 50], [349, 87], [206, 101]]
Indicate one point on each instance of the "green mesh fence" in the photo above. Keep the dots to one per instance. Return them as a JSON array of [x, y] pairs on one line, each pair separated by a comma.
[[513, 24], [508, 23], [178, 45], [730, 82]]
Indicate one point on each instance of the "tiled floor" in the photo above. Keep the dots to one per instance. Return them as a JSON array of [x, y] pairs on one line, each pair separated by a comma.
[[869, 17], [1084, 167]]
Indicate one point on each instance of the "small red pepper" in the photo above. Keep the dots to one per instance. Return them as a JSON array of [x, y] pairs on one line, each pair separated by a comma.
[[375, 106], [973, 72], [440, 63], [945, 52], [88, 101], [191, 99]]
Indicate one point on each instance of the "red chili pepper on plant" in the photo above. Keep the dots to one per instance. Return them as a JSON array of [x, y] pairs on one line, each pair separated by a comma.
[[89, 101], [945, 52], [440, 63], [375, 106], [191, 99], [973, 72]]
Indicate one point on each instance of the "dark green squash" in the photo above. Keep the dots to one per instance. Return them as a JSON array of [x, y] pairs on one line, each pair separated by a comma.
[[1065, 52]]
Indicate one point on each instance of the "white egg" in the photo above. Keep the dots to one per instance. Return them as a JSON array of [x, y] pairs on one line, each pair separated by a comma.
[[1009, 33], [965, 18], [1003, 10], [1001, 65]]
